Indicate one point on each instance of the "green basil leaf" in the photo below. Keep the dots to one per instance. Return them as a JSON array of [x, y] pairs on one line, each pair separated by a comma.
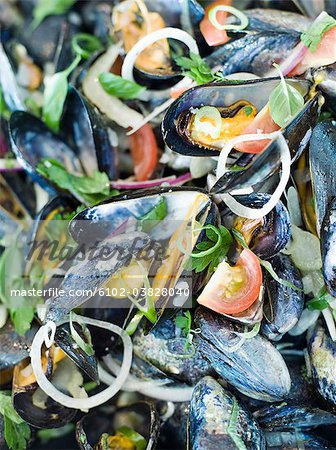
[[285, 102], [155, 215], [314, 34], [119, 87], [195, 68], [16, 430], [45, 8], [54, 96], [88, 190]]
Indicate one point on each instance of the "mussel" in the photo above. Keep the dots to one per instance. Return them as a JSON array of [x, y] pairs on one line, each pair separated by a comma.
[[32, 404], [323, 166], [32, 141], [285, 303], [253, 366], [266, 237], [218, 420], [322, 353], [236, 102], [164, 350], [120, 428]]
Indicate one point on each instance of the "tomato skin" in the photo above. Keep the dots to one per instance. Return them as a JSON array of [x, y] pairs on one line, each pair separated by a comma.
[[210, 33], [262, 123], [144, 151], [324, 55], [213, 296]]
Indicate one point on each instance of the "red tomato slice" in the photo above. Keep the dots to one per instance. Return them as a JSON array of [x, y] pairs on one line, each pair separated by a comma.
[[144, 152], [324, 55], [211, 34], [232, 290], [262, 123]]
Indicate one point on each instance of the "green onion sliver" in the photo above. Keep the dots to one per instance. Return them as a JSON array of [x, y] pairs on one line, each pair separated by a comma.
[[235, 12], [85, 346], [84, 44], [268, 266], [252, 333], [232, 427], [212, 249]]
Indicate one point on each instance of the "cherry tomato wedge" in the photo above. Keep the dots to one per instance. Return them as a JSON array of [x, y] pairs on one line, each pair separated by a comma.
[[232, 290], [324, 55], [262, 123], [144, 151], [211, 34]]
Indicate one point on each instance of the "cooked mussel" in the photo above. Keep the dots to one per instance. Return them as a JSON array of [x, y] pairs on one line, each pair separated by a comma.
[[218, 420], [32, 404], [284, 306], [266, 237], [118, 428], [322, 351], [169, 353], [32, 141], [238, 102], [253, 366]]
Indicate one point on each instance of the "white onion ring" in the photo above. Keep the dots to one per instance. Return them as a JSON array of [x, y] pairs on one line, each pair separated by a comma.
[[328, 317], [236, 207], [142, 44], [42, 337]]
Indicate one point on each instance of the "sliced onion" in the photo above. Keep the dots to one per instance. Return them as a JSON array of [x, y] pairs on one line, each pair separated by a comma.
[[146, 41], [307, 319], [172, 181], [9, 165], [290, 62], [113, 107], [328, 317], [3, 315], [231, 10], [43, 336], [177, 394], [236, 207], [203, 121]]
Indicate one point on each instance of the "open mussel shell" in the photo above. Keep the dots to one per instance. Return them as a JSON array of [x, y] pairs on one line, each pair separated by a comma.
[[141, 417], [293, 439], [322, 158], [254, 367], [211, 410], [109, 216], [13, 349], [83, 129], [32, 142], [31, 403], [284, 306], [221, 95], [322, 357], [266, 237]]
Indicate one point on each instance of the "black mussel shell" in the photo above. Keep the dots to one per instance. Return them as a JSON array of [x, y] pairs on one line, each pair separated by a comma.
[[83, 129], [32, 142], [284, 306], [267, 237], [142, 417], [328, 247], [219, 95]]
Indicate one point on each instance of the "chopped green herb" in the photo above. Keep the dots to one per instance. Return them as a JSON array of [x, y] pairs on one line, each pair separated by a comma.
[[210, 253], [33, 107], [285, 102], [184, 323], [320, 302], [119, 87], [45, 8], [155, 215], [138, 440], [84, 45], [314, 34], [16, 430], [195, 68], [88, 190], [248, 110], [85, 345], [55, 92]]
